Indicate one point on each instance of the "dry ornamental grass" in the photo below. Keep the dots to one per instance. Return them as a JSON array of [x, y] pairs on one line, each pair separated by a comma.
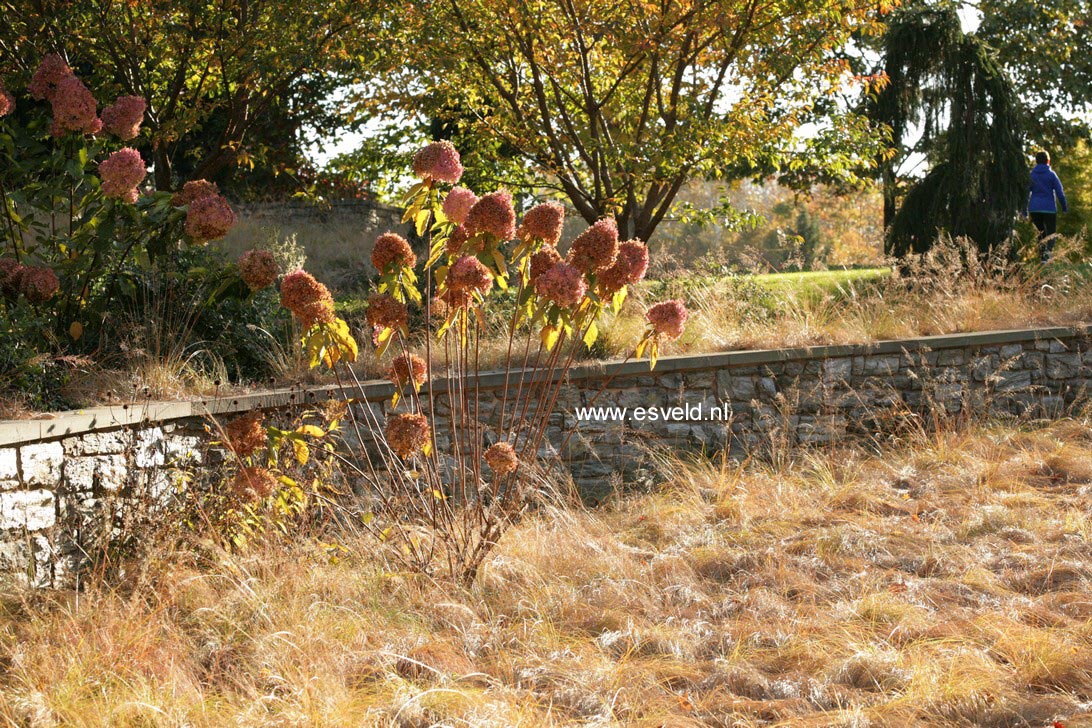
[[943, 580]]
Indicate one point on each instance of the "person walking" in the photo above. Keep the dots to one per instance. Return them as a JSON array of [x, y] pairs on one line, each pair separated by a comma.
[[1044, 195]]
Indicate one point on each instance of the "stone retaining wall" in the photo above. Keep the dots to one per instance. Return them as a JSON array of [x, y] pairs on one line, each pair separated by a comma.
[[57, 472]]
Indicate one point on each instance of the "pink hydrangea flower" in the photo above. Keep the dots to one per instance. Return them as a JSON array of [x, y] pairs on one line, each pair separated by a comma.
[[51, 71], [193, 190], [123, 118], [10, 271], [541, 262], [457, 204], [457, 240], [7, 101], [563, 284], [468, 274], [493, 214], [668, 318], [386, 312], [502, 458], [629, 267], [74, 108], [439, 161], [391, 249], [543, 222], [407, 434], [258, 269], [38, 285], [408, 369], [121, 172], [209, 218], [307, 299], [595, 248]]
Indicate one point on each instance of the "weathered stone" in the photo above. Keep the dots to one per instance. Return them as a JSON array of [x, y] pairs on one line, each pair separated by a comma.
[[837, 370], [105, 472], [1011, 350], [9, 464], [1009, 381], [29, 509], [99, 443], [1063, 366], [149, 448], [951, 357], [41, 463]]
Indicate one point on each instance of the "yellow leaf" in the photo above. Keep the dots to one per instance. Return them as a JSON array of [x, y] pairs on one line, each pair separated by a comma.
[[302, 451], [591, 335], [421, 221], [438, 495], [549, 335], [312, 430], [394, 400], [75, 330]]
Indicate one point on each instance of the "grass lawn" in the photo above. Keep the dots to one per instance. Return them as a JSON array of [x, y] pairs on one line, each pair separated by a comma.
[[941, 580]]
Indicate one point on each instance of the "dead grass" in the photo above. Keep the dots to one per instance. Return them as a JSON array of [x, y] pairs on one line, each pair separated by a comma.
[[941, 581]]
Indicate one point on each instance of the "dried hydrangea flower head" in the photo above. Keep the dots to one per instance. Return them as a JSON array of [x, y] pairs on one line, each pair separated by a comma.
[[392, 251], [308, 300], [7, 101], [457, 240], [193, 190], [457, 204], [253, 482], [502, 458], [668, 318], [408, 370], [563, 284], [245, 435], [74, 108], [438, 161], [543, 222], [541, 262], [629, 267], [258, 269], [386, 312], [123, 118], [10, 271], [209, 218], [121, 172], [469, 275], [38, 285], [407, 434], [51, 71], [595, 249], [493, 214]]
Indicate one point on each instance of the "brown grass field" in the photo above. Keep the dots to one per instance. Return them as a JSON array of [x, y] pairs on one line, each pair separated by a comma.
[[939, 579]]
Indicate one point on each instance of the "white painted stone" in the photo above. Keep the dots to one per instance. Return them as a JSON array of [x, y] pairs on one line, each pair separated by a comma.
[[108, 472], [99, 443], [181, 449], [41, 463], [9, 465], [149, 448], [29, 509]]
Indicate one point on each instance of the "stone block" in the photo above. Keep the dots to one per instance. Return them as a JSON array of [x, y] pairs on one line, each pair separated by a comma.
[[951, 357], [29, 509], [1011, 350], [103, 472], [99, 443], [27, 559], [149, 448], [837, 370], [1063, 366], [41, 463], [9, 464], [1011, 381]]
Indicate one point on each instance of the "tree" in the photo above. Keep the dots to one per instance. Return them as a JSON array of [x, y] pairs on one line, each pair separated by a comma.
[[212, 72], [616, 104], [1046, 47], [950, 85]]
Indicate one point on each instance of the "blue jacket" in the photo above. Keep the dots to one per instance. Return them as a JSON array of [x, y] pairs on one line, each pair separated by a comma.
[[1044, 186]]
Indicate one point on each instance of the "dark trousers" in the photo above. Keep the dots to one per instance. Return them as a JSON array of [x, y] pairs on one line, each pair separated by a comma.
[[1047, 225]]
